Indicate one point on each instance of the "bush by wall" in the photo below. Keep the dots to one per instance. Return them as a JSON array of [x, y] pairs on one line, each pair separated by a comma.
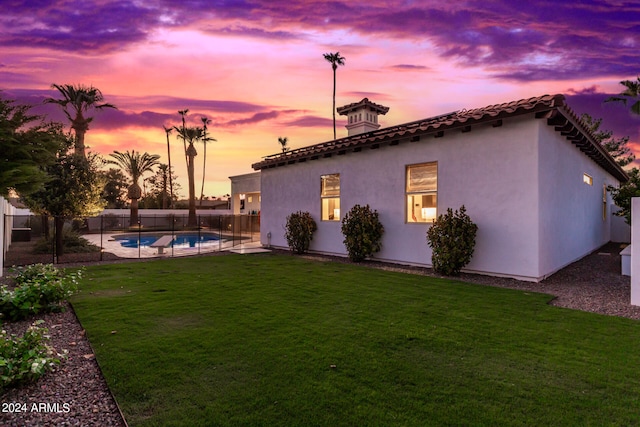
[[362, 232], [299, 231], [27, 358], [39, 288], [73, 243], [452, 238]]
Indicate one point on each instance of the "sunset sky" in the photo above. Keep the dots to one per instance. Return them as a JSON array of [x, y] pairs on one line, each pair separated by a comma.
[[255, 67]]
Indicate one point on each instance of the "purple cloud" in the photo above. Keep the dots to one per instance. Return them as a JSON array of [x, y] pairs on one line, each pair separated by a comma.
[[409, 67], [311, 122], [521, 41], [76, 26], [243, 31], [154, 110], [615, 117], [176, 103], [256, 118]]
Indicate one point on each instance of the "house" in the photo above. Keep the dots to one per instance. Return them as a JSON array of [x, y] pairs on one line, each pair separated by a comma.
[[529, 173], [245, 193]]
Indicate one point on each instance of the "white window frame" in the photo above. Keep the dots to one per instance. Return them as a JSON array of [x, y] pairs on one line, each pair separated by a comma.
[[329, 198], [426, 210]]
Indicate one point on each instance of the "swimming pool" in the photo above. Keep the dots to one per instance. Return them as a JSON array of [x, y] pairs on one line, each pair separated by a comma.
[[180, 241]]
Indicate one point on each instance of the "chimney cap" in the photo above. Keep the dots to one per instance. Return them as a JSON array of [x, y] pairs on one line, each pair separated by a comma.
[[365, 103]]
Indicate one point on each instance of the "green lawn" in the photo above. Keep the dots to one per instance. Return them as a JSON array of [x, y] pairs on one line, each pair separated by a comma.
[[277, 340]]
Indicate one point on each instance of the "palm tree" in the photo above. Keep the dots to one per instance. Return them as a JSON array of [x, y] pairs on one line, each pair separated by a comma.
[[77, 100], [191, 134], [205, 122], [135, 165], [283, 143], [335, 59], [168, 131], [631, 93], [183, 113], [163, 170]]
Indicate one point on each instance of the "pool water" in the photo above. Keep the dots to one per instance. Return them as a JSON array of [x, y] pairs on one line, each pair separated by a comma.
[[180, 240]]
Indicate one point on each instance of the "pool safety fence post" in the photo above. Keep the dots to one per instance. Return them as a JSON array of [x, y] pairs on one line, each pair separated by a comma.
[[5, 245], [101, 234], [53, 242], [173, 232], [219, 233], [199, 233], [139, 237]]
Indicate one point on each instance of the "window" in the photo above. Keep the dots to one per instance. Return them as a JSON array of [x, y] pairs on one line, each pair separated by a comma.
[[330, 197], [587, 179], [422, 192]]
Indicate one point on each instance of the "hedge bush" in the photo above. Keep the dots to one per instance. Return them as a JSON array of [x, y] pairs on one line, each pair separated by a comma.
[[39, 288], [452, 238], [27, 358], [299, 231], [73, 243], [362, 232]]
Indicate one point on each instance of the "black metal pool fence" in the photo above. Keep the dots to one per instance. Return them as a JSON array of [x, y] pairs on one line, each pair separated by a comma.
[[33, 236]]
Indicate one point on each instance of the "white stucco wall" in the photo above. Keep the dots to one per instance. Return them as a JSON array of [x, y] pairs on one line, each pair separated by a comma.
[[522, 184], [249, 186], [6, 210], [571, 212], [492, 171], [635, 251], [620, 230]]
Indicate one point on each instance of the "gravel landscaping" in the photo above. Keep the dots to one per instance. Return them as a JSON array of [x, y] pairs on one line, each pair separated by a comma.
[[592, 284]]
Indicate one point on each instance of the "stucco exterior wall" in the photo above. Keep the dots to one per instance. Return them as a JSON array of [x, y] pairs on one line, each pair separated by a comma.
[[620, 230], [571, 211], [7, 210], [249, 186], [635, 251], [492, 171]]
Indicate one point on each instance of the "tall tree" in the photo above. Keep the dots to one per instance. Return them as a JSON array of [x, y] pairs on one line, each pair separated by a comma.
[[76, 101], [283, 143], [189, 135], [205, 140], [135, 164], [183, 114], [115, 188], [168, 131], [631, 93], [622, 195], [335, 59], [617, 147], [28, 146], [158, 194], [74, 190]]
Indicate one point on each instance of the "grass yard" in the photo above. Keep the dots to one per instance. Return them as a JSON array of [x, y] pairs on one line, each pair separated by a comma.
[[282, 341]]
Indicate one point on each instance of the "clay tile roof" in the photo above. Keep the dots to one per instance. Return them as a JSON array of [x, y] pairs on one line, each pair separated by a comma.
[[553, 108], [380, 109]]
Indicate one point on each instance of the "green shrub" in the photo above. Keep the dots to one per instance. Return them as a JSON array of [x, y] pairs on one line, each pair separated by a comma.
[[27, 358], [73, 243], [362, 232], [38, 288], [452, 238], [299, 231]]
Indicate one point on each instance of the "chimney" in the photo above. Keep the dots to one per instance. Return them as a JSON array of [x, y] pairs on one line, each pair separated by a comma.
[[362, 116]]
